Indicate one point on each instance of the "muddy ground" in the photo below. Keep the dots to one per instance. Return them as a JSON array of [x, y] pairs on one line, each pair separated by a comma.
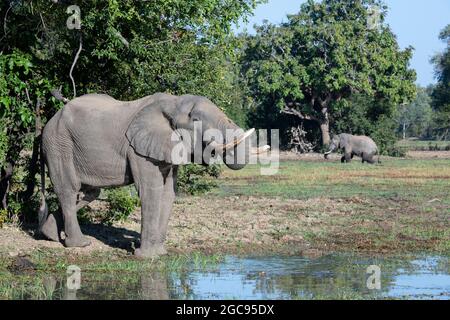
[[263, 225]]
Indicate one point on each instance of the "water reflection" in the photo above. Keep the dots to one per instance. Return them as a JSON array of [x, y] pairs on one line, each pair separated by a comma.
[[330, 277], [154, 286]]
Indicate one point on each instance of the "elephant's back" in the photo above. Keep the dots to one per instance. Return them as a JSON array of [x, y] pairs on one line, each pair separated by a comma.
[[93, 102], [367, 142]]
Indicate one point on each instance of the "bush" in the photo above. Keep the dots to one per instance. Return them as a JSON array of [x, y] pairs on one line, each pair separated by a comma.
[[196, 179], [395, 151], [3, 216], [121, 203]]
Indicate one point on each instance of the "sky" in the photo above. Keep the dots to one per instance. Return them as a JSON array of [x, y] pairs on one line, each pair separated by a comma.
[[416, 23]]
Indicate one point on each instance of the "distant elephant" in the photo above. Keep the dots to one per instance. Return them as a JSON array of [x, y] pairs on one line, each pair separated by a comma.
[[96, 141], [361, 146]]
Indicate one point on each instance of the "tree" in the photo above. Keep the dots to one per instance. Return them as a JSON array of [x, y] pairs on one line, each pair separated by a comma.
[[441, 92], [24, 103], [127, 49], [326, 53], [415, 118]]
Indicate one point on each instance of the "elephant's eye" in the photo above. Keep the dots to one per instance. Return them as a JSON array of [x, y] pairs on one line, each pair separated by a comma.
[[195, 119]]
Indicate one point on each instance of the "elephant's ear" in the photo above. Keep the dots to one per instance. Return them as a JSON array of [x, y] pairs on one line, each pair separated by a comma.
[[150, 132]]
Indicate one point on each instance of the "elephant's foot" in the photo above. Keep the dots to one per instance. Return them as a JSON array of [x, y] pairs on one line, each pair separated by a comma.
[[80, 241], [50, 228], [151, 252]]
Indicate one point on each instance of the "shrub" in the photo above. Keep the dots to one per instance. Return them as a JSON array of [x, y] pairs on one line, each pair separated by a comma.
[[121, 204], [196, 179], [3, 216], [395, 151]]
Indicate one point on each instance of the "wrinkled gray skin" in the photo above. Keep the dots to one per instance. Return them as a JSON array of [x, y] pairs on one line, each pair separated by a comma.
[[96, 141], [361, 146]]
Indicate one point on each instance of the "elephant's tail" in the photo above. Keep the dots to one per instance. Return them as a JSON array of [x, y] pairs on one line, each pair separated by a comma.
[[379, 156], [43, 209]]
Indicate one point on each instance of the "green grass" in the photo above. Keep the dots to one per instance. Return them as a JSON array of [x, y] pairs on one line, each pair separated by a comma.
[[50, 260], [116, 273], [401, 205], [423, 145], [413, 179]]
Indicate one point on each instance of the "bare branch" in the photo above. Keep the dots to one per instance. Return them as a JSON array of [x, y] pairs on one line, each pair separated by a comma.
[[4, 20], [43, 23], [73, 65], [297, 113], [28, 95], [122, 39], [324, 103]]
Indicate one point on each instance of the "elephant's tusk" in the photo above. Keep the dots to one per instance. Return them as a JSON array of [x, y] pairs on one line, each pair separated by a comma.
[[328, 152], [244, 136], [260, 149], [232, 144]]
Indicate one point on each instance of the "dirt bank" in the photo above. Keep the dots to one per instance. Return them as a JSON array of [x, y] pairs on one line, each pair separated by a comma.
[[259, 225]]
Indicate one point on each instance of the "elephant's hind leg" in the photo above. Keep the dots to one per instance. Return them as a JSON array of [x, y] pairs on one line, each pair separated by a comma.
[[369, 159], [66, 185], [88, 195], [74, 237], [52, 226]]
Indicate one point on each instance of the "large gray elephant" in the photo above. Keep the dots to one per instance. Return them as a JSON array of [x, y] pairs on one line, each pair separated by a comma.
[[96, 141], [361, 146]]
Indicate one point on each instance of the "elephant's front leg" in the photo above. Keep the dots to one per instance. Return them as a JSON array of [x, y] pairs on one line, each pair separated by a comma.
[[151, 202], [149, 181], [347, 156], [168, 198]]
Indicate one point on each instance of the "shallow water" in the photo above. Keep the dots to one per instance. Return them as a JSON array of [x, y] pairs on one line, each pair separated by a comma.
[[329, 277]]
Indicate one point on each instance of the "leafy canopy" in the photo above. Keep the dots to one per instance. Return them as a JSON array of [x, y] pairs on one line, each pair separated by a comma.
[[441, 92]]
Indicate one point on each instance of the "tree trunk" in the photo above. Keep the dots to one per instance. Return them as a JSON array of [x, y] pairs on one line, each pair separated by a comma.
[[5, 179], [325, 125], [325, 129], [32, 171], [33, 164]]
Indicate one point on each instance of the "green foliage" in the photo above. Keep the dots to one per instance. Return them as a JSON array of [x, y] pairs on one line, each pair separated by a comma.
[[196, 179], [384, 135], [121, 204], [21, 86], [134, 48], [3, 216], [129, 49], [441, 92], [24, 98], [415, 118]]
